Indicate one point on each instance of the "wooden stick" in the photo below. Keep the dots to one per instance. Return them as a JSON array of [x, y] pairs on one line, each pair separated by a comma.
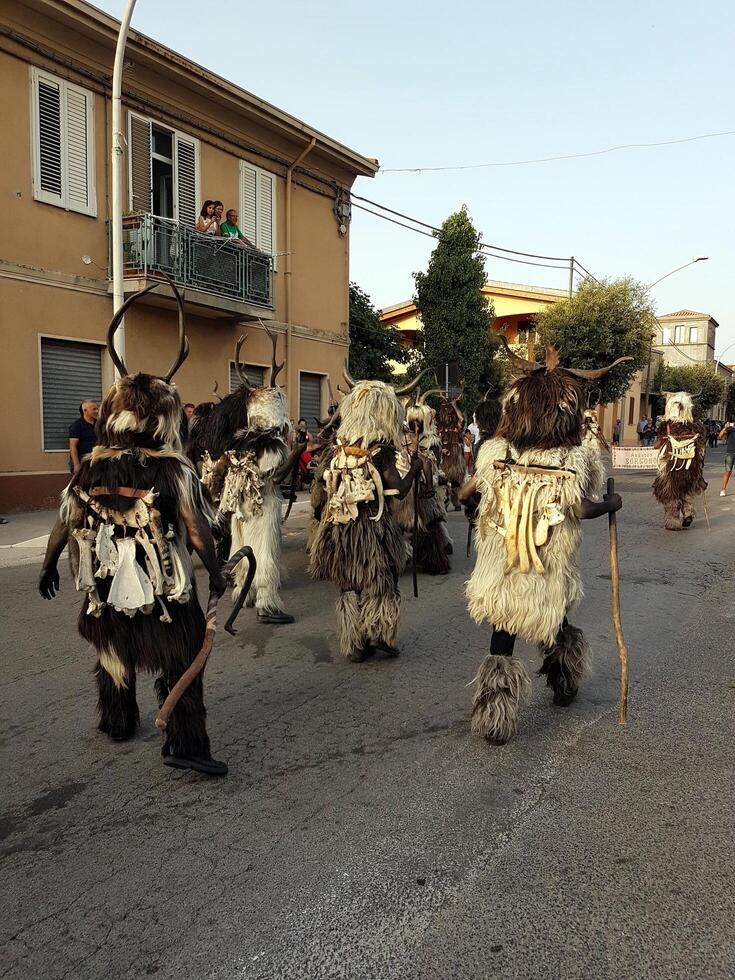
[[197, 664], [617, 621], [706, 512]]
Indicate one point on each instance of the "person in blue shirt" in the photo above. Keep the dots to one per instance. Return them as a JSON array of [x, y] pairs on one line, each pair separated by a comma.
[[82, 436]]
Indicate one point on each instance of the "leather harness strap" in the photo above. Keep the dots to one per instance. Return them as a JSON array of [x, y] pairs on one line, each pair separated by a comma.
[[118, 491]]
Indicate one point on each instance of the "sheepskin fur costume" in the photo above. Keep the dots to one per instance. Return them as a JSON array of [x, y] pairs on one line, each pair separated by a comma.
[[363, 557], [679, 481], [530, 604]]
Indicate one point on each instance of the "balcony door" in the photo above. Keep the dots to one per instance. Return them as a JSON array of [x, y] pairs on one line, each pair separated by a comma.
[[163, 171]]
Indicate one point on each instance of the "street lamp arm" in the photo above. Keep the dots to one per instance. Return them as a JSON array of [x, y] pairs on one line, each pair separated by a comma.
[[700, 258]]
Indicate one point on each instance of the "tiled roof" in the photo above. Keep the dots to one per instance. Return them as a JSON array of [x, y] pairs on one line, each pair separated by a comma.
[[685, 314]]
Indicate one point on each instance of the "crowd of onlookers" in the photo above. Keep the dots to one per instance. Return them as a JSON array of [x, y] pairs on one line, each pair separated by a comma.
[[210, 222]]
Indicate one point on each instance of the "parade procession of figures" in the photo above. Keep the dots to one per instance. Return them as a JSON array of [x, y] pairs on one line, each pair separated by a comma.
[[157, 490]]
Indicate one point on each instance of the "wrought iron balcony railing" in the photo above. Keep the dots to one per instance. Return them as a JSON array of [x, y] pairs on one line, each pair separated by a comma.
[[214, 265]]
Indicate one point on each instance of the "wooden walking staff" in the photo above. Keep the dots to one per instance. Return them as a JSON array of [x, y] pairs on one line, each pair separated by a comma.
[[197, 664], [617, 621]]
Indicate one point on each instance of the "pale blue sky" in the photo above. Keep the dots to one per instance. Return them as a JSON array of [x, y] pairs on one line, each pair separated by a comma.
[[432, 84]]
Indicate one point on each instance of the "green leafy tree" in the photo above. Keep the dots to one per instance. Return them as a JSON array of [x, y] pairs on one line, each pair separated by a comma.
[[694, 378], [373, 344], [601, 321], [456, 316]]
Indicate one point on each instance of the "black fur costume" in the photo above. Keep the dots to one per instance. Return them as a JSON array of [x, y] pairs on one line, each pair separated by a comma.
[[139, 449]]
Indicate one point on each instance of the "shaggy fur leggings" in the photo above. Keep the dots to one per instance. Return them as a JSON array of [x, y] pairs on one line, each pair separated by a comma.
[[366, 617]]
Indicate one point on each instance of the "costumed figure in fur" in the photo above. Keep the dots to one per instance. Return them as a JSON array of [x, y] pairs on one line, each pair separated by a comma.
[[130, 517], [433, 544], [243, 442], [450, 426], [536, 481], [681, 443], [358, 544]]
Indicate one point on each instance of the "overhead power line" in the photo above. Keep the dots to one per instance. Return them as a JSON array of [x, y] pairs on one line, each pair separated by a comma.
[[492, 251], [564, 156]]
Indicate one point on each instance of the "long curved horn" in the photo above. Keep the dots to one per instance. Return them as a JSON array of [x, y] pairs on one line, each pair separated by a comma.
[[407, 389], [528, 367], [332, 400], [238, 363], [348, 378], [426, 394], [275, 366], [593, 375], [215, 390], [696, 394], [115, 323], [183, 341]]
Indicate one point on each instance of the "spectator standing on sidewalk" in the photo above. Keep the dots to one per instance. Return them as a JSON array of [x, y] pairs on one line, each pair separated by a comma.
[[616, 432], [82, 436], [728, 432], [641, 429]]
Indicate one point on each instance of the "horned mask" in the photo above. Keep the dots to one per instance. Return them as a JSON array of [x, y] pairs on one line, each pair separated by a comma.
[[542, 409], [266, 406], [371, 411], [143, 410]]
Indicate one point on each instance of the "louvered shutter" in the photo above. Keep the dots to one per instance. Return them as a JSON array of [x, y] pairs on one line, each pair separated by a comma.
[[77, 150], [63, 144], [267, 213], [48, 137], [140, 180], [70, 372], [187, 179], [254, 374], [249, 201], [310, 398]]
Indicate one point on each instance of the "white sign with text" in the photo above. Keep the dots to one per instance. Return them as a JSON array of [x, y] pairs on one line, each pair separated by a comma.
[[634, 458]]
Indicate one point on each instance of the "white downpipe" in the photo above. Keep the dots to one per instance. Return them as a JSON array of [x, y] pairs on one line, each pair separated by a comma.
[[118, 291]]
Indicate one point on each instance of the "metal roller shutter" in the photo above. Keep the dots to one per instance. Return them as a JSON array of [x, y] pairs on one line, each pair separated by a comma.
[[70, 372], [310, 399], [253, 373]]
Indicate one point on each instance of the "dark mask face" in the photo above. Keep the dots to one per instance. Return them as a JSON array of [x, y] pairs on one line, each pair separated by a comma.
[[542, 410]]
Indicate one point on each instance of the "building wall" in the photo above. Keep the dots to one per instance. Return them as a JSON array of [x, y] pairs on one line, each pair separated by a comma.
[[46, 289]]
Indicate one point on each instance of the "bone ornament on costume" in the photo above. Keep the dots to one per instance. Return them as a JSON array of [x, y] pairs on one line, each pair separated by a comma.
[[428, 515], [681, 442], [242, 444], [532, 476], [357, 543], [129, 515]]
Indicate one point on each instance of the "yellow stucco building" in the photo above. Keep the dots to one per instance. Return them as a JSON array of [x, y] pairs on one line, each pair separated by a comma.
[[190, 135]]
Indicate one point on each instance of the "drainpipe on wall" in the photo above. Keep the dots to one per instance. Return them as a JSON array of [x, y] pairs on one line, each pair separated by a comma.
[[290, 377], [118, 288]]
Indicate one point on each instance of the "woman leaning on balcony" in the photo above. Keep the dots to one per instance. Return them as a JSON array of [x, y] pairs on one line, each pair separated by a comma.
[[207, 220]]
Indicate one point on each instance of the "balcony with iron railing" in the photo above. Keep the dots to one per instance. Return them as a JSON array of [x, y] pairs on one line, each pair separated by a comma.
[[219, 275]]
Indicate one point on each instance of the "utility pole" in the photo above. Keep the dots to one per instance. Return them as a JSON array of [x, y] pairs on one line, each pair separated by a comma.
[[118, 289], [571, 276]]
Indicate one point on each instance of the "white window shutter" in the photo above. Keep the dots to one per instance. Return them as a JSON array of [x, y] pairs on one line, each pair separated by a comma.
[[249, 201], [78, 147], [140, 180], [186, 162], [63, 143], [267, 213]]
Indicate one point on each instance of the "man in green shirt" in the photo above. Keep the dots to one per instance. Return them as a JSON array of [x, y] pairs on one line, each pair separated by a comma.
[[229, 228]]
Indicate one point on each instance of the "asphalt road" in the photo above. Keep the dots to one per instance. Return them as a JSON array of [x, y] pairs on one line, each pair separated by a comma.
[[362, 831]]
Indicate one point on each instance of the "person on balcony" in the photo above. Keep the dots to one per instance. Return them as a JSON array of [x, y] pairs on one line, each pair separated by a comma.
[[207, 223], [230, 229]]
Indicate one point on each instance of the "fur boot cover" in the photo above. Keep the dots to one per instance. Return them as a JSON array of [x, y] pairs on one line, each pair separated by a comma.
[[565, 663], [502, 684], [532, 603]]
